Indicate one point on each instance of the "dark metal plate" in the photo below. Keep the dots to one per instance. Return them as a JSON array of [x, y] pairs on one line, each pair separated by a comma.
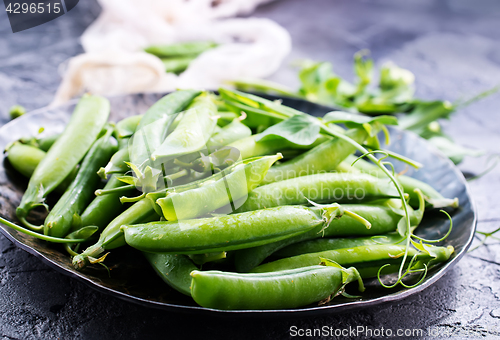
[[133, 280]]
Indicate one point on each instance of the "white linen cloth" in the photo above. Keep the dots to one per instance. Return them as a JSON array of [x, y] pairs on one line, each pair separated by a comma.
[[114, 63]]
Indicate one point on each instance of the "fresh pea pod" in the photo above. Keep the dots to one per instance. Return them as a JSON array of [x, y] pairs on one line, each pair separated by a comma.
[[230, 191], [25, 158], [101, 211], [225, 117], [153, 127], [127, 126], [174, 270], [249, 147], [277, 290], [327, 244], [432, 197], [180, 49], [112, 237], [154, 196], [87, 121], [214, 162], [117, 164], [177, 65], [228, 232], [367, 259], [69, 207], [383, 217], [230, 133], [325, 187], [324, 157], [192, 133], [42, 143]]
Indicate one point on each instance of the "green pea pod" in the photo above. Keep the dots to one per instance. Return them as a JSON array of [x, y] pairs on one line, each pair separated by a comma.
[[382, 216], [69, 207], [248, 147], [87, 121], [192, 133], [25, 158], [230, 133], [282, 289], [180, 49], [174, 269], [227, 232], [226, 117], [177, 65], [43, 143], [433, 198], [326, 244], [117, 164], [112, 237], [127, 126], [154, 196], [230, 191], [367, 259], [152, 129], [319, 188], [324, 157], [101, 211]]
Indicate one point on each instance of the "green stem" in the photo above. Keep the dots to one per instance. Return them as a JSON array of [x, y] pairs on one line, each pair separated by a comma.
[[37, 235], [29, 225], [360, 148], [118, 190], [358, 218]]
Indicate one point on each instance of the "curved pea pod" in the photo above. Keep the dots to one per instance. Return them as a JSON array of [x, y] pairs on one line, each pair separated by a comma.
[[433, 198], [174, 270], [325, 187], [25, 158], [87, 121], [277, 290], [229, 192], [230, 133], [126, 127], [367, 259], [227, 232], [326, 244], [112, 237], [383, 217], [322, 158], [152, 129], [101, 211], [192, 133], [69, 207]]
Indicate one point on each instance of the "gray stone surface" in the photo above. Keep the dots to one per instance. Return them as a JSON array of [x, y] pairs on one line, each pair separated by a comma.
[[452, 46]]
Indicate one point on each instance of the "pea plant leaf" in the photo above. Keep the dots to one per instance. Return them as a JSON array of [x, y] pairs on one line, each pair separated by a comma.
[[352, 120], [300, 130]]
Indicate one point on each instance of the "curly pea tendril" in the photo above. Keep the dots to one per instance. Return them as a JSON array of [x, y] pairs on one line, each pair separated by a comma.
[[413, 267]]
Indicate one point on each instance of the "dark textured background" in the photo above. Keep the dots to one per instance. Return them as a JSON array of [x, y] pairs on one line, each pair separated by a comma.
[[453, 47]]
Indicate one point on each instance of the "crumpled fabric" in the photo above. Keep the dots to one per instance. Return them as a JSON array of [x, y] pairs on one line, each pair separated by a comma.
[[114, 62]]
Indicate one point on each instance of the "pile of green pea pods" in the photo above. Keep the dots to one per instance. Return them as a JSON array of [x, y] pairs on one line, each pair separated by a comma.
[[273, 196]]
